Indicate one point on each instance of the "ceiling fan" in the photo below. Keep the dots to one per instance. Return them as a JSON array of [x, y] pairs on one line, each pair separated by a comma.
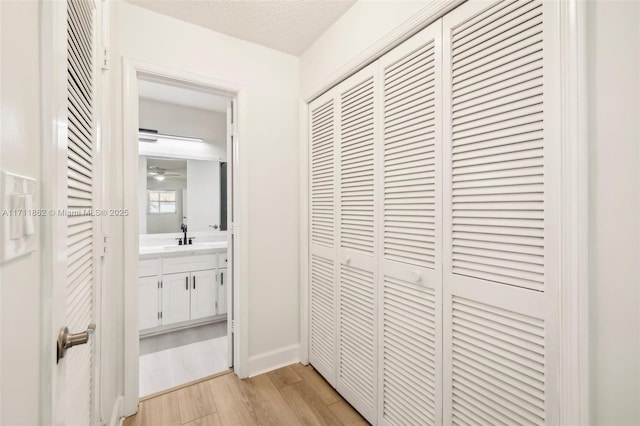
[[159, 174]]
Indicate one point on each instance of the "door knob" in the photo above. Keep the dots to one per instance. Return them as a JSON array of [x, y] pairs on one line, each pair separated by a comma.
[[68, 340]]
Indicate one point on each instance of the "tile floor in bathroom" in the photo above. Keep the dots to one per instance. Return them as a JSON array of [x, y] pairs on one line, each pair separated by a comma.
[[180, 357]]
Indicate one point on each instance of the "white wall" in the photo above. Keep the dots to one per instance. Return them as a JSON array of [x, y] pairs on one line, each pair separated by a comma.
[[614, 133], [359, 28], [269, 150], [179, 120], [20, 282]]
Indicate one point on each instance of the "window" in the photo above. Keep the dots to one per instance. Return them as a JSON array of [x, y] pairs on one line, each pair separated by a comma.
[[162, 202]]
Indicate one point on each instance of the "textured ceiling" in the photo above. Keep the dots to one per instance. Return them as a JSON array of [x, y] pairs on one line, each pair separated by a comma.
[[289, 26]]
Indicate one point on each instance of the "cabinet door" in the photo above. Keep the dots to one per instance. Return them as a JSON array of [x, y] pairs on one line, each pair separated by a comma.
[[148, 302], [175, 298], [222, 291], [203, 294]]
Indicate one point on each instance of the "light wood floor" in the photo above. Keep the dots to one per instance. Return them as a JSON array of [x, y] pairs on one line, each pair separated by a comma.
[[293, 395]]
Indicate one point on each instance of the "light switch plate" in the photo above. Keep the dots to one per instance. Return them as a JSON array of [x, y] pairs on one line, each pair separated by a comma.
[[16, 241]]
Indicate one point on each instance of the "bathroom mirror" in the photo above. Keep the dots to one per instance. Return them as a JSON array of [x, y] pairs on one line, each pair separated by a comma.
[[177, 191]]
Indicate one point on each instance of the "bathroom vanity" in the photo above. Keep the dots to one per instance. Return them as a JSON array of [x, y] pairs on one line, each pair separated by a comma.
[[181, 286]]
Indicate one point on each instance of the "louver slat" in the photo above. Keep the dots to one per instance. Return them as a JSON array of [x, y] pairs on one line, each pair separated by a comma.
[[81, 197], [411, 237], [323, 307], [412, 160], [356, 332], [357, 168], [497, 139], [322, 175], [408, 364], [500, 302], [498, 364]]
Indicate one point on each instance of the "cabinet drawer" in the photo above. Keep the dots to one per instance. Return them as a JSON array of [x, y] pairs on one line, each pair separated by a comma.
[[189, 263], [148, 267]]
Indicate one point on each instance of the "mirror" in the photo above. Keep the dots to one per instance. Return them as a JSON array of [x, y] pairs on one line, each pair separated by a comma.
[[177, 191]]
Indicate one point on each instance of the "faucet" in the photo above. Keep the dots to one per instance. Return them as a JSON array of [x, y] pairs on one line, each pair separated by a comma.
[[183, 241]]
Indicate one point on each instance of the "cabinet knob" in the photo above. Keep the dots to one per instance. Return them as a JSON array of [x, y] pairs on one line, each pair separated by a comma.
[[416, 277], [347, 260]]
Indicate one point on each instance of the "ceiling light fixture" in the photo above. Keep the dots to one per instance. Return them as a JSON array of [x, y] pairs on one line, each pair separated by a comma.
[[159, 178], [147, 135]]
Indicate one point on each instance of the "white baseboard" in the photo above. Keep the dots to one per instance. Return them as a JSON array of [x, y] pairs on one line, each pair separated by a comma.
[[116, 413], [273, 360]]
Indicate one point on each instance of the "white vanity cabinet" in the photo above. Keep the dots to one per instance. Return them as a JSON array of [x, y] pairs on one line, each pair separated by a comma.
[[177, 289], [149, 296], [149, 302], [204, 295], [176, 298]]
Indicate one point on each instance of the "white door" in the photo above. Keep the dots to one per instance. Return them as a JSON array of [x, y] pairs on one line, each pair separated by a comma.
[[357, 294], [410, 281], [176, 298], [204, 294], [500, 212], [323, 241], [149, 312], [74, 292], [222, 291]]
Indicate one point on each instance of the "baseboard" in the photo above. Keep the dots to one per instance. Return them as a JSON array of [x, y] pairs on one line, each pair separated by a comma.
[[116, 412], [273, 360]]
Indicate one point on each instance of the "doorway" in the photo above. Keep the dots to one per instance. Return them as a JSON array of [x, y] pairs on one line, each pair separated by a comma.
[[180, 279], [183, 252]]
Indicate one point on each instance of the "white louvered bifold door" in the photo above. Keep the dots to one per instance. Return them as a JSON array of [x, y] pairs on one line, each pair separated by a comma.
[[357, 301], [81, 225], [323, 236], [410, 282], [500, 249]]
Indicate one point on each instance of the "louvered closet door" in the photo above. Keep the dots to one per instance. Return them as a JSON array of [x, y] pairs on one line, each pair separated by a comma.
[[357, 303], [410, 280], [500, 227], [323, 268], [81, 224]]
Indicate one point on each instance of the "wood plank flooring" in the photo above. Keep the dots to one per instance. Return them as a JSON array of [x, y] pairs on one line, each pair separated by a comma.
[[293, 395]]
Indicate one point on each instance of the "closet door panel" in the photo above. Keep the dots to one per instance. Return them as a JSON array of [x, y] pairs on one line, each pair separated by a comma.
[[410, 283], [357, 307], [323, 237], [500, 209]]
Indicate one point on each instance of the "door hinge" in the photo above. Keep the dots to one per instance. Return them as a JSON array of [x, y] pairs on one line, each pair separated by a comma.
[[232, 227], [233, 326], [105, 59], [103, 242]]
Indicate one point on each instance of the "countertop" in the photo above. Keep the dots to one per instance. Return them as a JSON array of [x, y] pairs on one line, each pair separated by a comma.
[[201, 248]]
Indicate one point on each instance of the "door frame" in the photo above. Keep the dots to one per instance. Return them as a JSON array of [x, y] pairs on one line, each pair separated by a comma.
[[569, 34], [132, 70]]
